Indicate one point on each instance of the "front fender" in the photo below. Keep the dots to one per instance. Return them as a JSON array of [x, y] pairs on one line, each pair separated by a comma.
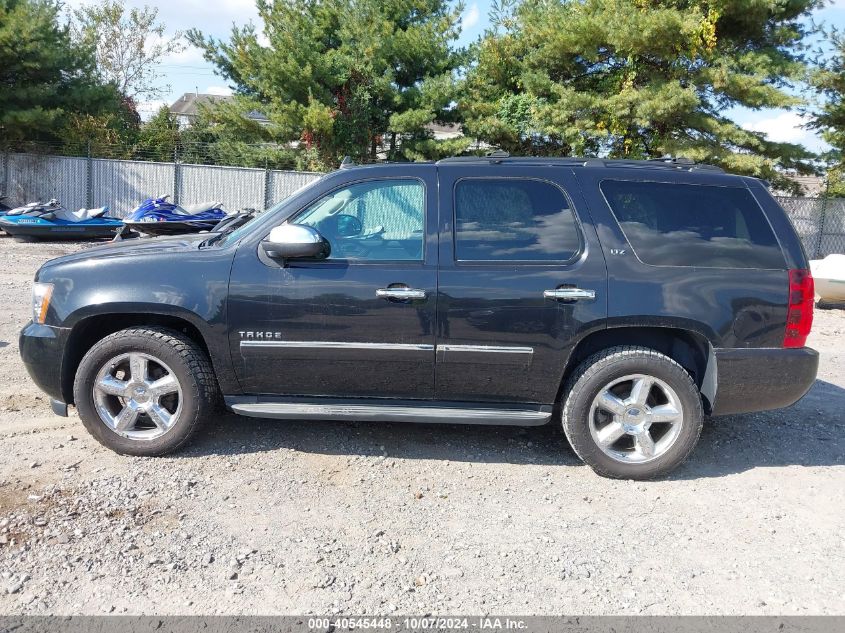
[[109, 293]]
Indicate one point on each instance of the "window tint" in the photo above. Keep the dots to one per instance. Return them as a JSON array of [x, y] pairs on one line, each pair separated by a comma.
[[693, 225], [374, 220], [513, 220]]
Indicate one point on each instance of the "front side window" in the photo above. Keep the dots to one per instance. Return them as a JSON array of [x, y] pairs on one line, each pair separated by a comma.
[[379, 220], [671, 224], [504, 219]]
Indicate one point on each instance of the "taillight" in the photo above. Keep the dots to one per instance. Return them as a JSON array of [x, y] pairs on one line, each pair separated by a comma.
[[799, 316]]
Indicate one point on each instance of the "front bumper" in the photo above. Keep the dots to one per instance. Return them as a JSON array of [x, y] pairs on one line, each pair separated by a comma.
[[762, 379], [42, 350]]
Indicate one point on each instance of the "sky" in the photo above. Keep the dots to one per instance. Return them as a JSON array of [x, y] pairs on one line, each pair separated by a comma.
[[188, 72]]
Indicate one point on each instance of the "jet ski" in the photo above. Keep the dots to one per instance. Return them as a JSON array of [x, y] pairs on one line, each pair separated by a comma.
[[52, 221], [5, 209], [829, 277], [157, 216], [32, 206]]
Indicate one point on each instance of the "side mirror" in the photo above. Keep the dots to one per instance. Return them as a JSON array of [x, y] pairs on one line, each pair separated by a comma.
[[295, 241]]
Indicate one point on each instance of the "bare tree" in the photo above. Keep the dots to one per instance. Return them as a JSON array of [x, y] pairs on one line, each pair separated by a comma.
[[130, 44]]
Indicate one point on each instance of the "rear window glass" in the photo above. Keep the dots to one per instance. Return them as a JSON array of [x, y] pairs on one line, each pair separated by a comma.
[[693, 225], [512, 219]]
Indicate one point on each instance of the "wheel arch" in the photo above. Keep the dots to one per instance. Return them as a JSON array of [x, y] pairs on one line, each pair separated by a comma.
[[689, 348], [87, 331]]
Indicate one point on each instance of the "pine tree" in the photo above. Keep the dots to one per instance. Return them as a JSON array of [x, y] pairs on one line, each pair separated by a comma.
[[829, 81], [46, 77], [640, 79], [344, 77]]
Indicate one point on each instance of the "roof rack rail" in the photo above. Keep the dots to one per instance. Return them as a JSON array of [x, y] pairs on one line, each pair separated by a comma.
[[651, 163]]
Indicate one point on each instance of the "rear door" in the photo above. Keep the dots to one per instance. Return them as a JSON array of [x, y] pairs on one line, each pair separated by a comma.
[[521, 279]]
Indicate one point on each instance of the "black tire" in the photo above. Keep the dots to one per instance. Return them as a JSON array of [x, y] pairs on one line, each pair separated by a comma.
[[184, 358], [602, 369]]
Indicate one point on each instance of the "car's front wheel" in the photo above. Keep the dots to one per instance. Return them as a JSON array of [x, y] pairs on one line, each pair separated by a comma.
[[632, 413], [144, 391]]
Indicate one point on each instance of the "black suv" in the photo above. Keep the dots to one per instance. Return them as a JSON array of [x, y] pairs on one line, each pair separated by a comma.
[[622, 299]]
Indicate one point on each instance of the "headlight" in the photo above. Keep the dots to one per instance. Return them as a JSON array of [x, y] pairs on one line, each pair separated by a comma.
[[41, 294]]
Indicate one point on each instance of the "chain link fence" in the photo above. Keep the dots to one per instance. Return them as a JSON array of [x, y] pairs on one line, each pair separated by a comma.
[[122, 184], [820, 222]]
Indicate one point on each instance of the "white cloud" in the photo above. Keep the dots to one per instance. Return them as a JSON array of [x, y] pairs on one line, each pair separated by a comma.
[[471, 16], [781, 126], [784, 127], [223, 91], [190, 55]]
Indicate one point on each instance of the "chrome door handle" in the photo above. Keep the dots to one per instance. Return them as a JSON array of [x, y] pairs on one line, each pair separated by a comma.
[[400, 293], [570, 294]]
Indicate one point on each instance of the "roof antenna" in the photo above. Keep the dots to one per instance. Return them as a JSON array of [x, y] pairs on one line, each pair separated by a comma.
[[346, 163]]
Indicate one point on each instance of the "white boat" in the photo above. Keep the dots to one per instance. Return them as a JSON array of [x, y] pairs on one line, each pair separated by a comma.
[[829, 278]]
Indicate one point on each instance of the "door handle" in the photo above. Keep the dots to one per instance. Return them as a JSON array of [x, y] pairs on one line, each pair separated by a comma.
[[569, 294], [401, 294]]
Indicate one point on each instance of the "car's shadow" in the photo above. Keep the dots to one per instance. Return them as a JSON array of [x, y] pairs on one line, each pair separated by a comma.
[[810, 433]]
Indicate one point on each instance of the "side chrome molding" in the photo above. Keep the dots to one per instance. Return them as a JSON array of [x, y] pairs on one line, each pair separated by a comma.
[[511, 356], [485, 349], [503, 354], [338, 345]]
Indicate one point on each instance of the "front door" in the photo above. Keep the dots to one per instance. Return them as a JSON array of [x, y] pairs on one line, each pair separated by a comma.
[[358, 324], [521, 279]]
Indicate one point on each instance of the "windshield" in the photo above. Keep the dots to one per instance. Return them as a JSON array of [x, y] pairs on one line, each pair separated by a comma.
[[244, 229]]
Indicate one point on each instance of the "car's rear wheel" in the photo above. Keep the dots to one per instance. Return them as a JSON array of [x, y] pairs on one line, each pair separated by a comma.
[[632, 413], [144, 391]]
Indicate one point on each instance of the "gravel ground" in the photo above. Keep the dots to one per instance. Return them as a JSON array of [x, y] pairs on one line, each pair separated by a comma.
[[261, 517]]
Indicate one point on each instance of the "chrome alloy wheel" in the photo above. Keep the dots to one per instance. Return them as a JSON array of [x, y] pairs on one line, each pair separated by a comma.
[[636, 419], [137, 396]]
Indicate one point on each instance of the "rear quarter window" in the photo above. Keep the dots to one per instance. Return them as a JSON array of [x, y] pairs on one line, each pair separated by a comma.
[[670, 224]]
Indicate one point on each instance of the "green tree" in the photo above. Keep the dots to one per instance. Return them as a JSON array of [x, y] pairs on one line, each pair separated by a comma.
[[230, 132], [829, 81], [110, 134], [159, 137], [45, 76], [639, 79], [345, 77], [129, 43]]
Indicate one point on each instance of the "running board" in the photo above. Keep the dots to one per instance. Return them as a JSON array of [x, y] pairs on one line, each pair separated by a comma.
[[391, 412]]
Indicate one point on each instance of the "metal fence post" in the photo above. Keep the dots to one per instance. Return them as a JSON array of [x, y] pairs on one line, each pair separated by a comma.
[[268, 188], [818, 252], [89, 179], [176, 175], [6, 160]]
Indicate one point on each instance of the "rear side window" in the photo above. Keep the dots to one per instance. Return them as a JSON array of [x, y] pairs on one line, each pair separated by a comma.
[[504, 219], [693, 225]]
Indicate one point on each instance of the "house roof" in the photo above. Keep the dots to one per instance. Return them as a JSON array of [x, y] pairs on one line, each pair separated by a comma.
[[188, 104]]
